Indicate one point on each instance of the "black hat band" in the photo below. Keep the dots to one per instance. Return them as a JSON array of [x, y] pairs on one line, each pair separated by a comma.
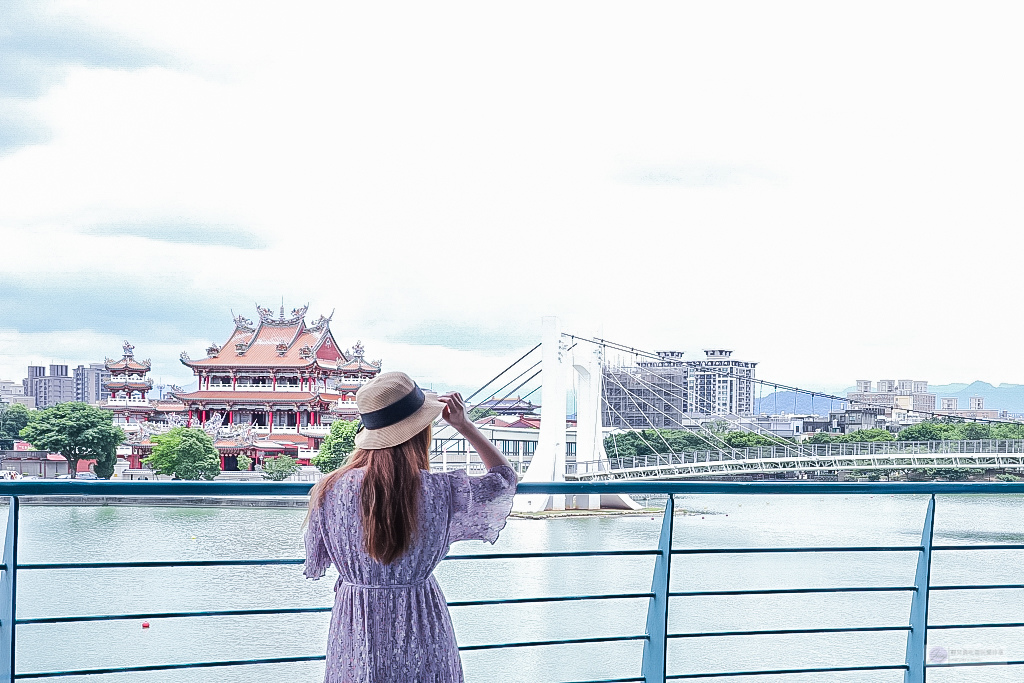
[[396, 412]]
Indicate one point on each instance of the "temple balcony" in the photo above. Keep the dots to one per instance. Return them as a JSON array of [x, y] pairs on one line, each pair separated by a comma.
[[123, 402]]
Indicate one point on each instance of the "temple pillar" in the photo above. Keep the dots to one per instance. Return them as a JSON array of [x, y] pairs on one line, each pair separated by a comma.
[[231, 416], [189, 422], [274, 378], [234, 381], [270, 420]]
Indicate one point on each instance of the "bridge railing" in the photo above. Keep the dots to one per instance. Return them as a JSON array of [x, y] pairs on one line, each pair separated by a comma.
[[659, 599], [809, 452]]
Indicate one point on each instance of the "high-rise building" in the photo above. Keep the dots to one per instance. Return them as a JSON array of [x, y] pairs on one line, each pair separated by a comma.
[[671, 392], [905, 394], [28, 384], [49, 390], [720, 385], [89, 383]]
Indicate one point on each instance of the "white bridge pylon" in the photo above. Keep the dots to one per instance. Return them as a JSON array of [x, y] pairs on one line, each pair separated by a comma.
[[548, 463]]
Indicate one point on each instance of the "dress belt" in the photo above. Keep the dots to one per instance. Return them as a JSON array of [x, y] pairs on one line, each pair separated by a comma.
[[340, 582]]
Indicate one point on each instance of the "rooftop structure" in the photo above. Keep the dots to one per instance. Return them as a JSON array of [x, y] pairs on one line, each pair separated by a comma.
[[126, 387], [508, 406], [278, 374]]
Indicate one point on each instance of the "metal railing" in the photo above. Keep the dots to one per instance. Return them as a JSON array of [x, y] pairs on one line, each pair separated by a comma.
[[656, 636], [868, 455]]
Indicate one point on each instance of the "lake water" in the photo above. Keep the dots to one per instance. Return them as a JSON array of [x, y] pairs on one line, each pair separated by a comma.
[[52, 534]]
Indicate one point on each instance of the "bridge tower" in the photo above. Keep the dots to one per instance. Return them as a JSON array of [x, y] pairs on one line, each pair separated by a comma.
[[548, 462]]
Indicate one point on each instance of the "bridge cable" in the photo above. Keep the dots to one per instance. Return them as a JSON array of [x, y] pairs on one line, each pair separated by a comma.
[[777, 386], [703, 435], [754, 428]]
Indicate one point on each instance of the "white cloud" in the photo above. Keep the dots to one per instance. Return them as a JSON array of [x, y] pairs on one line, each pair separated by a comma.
[[835, 190]]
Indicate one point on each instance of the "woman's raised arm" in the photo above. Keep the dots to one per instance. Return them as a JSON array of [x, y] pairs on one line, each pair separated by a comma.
[[454, 413]]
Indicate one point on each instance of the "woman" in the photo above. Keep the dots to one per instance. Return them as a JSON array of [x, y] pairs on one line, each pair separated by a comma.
[[385, 521]]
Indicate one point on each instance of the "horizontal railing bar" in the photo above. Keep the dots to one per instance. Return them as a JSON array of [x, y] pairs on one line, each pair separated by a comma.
[[557, 553], [44, 487], [789, 631], [809, 549], [168, 667], [786, 591], [169, 615], [992, 625], [306, 610], [228, 563], [986, 546], [978, 587], [170, 563], [949, 665], [533, 643], [723, 674], [557, 598], [614, 680]]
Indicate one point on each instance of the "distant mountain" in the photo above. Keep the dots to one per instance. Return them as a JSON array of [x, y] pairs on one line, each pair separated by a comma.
[[792, 402], [1009, 397]]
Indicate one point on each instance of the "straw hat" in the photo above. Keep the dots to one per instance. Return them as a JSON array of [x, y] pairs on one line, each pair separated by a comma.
[[392, 410]]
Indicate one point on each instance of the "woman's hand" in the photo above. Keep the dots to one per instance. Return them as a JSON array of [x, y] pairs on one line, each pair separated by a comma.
[[454, 411]]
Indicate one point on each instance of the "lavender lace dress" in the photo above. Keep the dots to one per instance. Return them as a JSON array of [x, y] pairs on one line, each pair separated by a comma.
[[390, 623]]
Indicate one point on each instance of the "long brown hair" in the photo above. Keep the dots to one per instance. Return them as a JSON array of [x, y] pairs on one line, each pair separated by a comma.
[[390, 495]]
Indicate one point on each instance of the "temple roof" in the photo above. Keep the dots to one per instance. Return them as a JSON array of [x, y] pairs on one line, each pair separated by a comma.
[[275, 342], [127, 362]]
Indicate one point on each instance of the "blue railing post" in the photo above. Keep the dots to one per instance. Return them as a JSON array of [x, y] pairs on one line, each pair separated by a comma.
[[655, 647], [917, 639], [8, 593]]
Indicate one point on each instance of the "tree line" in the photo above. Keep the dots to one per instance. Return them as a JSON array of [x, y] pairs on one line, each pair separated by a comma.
[[663, 441]]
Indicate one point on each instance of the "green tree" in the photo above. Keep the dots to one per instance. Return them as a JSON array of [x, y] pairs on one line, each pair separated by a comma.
[[77, 431], [480, 412], [975, 431], [244, 462], [184, 453], [280, 468], [337, 446], [823, 437], [929, 431], [13, 418], [863, 435], [741, 439]]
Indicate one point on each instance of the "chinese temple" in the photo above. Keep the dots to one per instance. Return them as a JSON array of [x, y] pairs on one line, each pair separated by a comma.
[[278, 375], [128, 386]]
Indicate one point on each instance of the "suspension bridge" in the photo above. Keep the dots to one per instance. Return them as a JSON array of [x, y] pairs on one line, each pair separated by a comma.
[[563, 361]]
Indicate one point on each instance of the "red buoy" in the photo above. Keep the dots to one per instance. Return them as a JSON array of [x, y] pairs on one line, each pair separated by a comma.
[[145, 624]]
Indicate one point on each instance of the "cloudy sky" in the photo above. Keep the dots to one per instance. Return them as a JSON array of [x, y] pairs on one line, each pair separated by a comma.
[[830, 189]]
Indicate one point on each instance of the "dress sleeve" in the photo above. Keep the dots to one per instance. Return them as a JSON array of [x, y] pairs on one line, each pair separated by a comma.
[[480, 505], [317, 559]]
